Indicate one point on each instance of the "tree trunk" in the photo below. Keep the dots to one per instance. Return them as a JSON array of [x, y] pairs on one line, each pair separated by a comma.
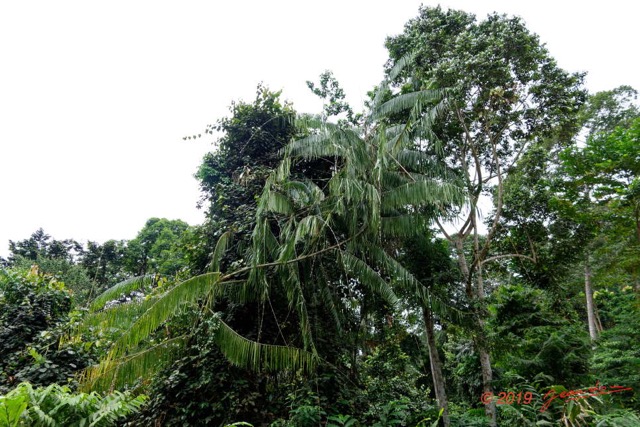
[[477, 295], [481, 345], [487, 379], [436, 365], [591, 317]]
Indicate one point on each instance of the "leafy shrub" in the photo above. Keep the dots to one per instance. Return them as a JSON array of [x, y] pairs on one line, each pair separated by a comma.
[[391, 391], [616, 359], [56, 406], [341, 421], [34, 311]]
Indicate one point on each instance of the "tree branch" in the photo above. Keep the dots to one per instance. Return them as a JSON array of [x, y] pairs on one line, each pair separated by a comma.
[[497, 257]]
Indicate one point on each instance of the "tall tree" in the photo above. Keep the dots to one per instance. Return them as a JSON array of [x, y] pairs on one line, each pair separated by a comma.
[[599, 184], [232, 176], [506, 94], [41, 245], [61, 258], [303, 232], [157, 248], [105, 263]]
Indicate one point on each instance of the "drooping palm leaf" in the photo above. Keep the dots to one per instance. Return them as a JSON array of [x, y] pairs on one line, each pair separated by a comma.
[[163, 308], [419, 100], [120, 316], [115, 373], [403, 225], [369, 277], [421, 193], [246, 353], [222, 245]]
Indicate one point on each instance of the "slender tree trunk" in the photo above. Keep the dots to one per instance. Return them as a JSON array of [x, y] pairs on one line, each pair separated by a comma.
[[588, 290], [481, 345], [480, 341], [598, 322], [462, 263], [436, 365], [487, 377], [637, 215]]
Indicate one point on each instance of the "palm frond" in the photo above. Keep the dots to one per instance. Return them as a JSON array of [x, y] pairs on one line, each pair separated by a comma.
[[256, 356], [164, 307], [275, 202], [422, 193], [417, 101], [308, 226], [326, 297], [290, 277], [404, 225], [315, 146], [369, 278], [116, 373], [218, 252], [395, 270], [423, 163], [120, 289], [423, 121], [401, 64], [119, 316], [303, 192]]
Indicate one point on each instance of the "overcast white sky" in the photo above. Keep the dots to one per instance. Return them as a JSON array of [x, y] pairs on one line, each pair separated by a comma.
[[96, 97]]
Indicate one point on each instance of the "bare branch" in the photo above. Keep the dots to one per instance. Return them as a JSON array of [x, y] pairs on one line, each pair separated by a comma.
[[497, 257]]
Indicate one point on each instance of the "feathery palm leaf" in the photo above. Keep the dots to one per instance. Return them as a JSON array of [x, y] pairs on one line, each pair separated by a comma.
[[163, 308], [222, 245], [115, 373], [246, 353], [369, 277], [122, 288]]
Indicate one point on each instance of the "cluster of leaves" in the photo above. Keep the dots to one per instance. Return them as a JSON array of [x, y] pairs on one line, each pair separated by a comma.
[[57, 406], [534, 335], [34, 313], [202, 387], [232, 177], [616, 359]]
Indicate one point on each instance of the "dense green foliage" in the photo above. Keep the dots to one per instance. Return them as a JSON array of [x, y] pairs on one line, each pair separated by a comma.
[[34, 310], [343, 275], [57, 406]]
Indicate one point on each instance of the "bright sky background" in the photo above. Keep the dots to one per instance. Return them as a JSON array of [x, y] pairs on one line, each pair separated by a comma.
[[95, 97]]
